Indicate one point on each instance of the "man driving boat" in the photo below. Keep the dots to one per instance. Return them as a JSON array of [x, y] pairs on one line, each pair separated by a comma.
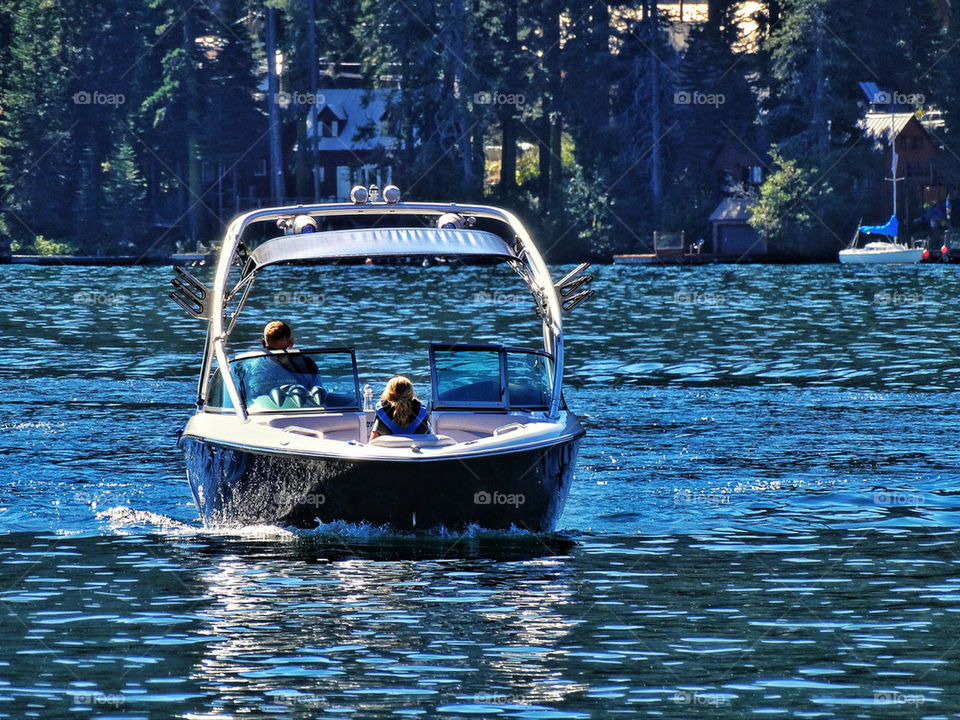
[[262, 375]]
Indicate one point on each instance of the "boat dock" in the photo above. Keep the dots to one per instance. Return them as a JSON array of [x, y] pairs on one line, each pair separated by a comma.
[[111, 260], [659, 259]]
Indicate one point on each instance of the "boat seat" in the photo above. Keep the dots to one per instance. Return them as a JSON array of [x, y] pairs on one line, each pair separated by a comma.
[[422, 440], [476, 425], [331, 426], [290, 396]]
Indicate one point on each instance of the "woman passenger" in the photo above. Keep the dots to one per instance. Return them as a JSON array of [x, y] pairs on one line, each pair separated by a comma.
[[399, 412]]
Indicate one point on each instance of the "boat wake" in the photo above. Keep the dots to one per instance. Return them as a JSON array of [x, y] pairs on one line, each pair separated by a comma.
[[127, 520], [342, 539]]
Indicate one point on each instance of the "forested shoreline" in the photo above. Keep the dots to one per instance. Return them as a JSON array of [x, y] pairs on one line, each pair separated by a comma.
[[121, 121]]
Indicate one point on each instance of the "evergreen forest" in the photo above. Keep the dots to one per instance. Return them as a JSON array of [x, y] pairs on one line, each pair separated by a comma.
[[130, 126]]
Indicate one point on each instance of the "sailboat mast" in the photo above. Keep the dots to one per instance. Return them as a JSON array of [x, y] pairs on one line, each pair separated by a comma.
[[893, 158]]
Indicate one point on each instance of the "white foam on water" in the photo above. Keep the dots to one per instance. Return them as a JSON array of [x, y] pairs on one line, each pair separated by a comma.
[[127, 520], [250, 532], [46, 427], [364, 531], [124, 518]]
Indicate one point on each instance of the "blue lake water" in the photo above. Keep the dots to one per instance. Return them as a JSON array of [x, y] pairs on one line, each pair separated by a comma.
[[764, 520]]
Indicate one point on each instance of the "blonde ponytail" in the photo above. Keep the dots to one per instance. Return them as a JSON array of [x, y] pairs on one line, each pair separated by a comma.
[[401, 400]]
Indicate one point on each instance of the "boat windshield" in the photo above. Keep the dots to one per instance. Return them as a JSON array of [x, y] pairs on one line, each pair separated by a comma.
[[490, 376], [323, 379], [530, 378]]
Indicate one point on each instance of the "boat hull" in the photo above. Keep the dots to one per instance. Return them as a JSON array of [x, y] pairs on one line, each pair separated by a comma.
[[523, 489], [904, 256]]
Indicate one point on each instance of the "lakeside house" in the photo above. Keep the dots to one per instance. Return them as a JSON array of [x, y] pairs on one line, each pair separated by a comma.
[[731, 239], [352, 140], [920, 184], [352, 146]]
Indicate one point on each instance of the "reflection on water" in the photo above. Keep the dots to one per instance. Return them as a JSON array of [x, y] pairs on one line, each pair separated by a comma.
[[354, 620], [135, 626]]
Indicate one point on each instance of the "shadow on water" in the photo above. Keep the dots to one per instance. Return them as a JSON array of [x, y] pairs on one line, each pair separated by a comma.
[[338, 546]]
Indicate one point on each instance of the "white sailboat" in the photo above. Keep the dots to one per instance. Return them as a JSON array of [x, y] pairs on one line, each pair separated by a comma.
[[881, 251], [887, 250]]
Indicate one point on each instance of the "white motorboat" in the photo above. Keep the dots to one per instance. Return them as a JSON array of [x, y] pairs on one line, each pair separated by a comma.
[[502, 444]]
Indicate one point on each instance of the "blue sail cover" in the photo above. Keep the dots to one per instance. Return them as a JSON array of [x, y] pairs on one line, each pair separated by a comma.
[[889, 229]]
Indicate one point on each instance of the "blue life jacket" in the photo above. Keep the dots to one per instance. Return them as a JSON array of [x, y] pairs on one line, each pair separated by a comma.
[[408, 429]]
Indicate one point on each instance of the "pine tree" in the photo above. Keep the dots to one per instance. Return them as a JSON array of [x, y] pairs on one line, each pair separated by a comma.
[[105, 42], [6, 37], [820, 51], [590, 72], [36, 153], [714, 109], [644, 130], [425, 44], [946, 96], [201, 106]]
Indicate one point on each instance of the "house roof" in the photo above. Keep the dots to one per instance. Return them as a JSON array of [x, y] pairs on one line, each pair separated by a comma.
[[876, 125], [359, 109], [733, 209]]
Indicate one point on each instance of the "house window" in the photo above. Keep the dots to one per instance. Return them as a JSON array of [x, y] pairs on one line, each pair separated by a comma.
[[260, 169]]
